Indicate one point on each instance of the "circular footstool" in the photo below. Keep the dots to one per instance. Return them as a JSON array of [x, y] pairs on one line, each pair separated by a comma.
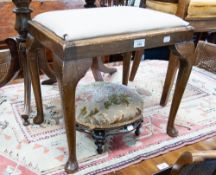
[[107, 109]]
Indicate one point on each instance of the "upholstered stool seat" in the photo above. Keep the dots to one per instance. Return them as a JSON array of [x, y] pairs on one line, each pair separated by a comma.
[[107, 108], [78, 24]]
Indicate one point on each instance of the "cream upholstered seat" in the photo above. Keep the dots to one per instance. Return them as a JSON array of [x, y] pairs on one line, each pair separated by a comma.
[[72, 24]]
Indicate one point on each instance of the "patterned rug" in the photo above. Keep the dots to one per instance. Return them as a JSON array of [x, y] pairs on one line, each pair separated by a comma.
[[42, 149]]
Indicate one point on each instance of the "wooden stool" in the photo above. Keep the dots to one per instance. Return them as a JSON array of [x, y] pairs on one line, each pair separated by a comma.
[[65, 34]]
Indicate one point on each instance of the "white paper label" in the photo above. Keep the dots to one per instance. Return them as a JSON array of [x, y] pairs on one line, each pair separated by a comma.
[[166, 39], [130, 127], [139, 43], [162, 166]]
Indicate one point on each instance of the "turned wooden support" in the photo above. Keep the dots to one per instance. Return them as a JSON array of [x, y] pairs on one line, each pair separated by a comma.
[[23, 14], [17, 46], [27, 82]]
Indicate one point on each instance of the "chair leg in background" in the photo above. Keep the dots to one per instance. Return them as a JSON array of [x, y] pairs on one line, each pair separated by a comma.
[[170, 77], [126, 67], [102, 68], [27, 83], [95, 70], [44, 67], [32, 59], [136, 63]]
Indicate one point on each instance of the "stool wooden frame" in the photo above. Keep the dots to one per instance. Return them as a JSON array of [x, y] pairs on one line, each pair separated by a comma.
[[73, 59]]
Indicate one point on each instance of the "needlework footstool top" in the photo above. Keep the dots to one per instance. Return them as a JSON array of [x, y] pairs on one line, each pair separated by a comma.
[[107, 105]]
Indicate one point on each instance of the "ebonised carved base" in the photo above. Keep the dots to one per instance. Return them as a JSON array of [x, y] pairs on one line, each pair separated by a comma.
[[100, 135]]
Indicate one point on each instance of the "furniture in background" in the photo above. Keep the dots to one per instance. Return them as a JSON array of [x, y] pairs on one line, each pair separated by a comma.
[[9, 65], [73, 51], [201, 14], [197, 163], [206, 56], [193, 163]]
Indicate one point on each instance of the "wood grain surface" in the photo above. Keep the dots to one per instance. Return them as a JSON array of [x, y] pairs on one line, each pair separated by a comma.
[[149, 167]]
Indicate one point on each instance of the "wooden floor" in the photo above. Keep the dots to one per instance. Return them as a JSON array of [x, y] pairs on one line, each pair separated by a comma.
[[148, 167]]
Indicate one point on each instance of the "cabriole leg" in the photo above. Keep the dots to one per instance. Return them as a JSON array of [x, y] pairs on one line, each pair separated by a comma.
[[187, 60]]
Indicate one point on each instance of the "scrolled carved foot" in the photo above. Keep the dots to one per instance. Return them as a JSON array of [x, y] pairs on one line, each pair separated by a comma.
[[25, 117], [49, 82], [172, 131], [137, 131], [99, 148], [38, 120], [71, 167], [99, 137]]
